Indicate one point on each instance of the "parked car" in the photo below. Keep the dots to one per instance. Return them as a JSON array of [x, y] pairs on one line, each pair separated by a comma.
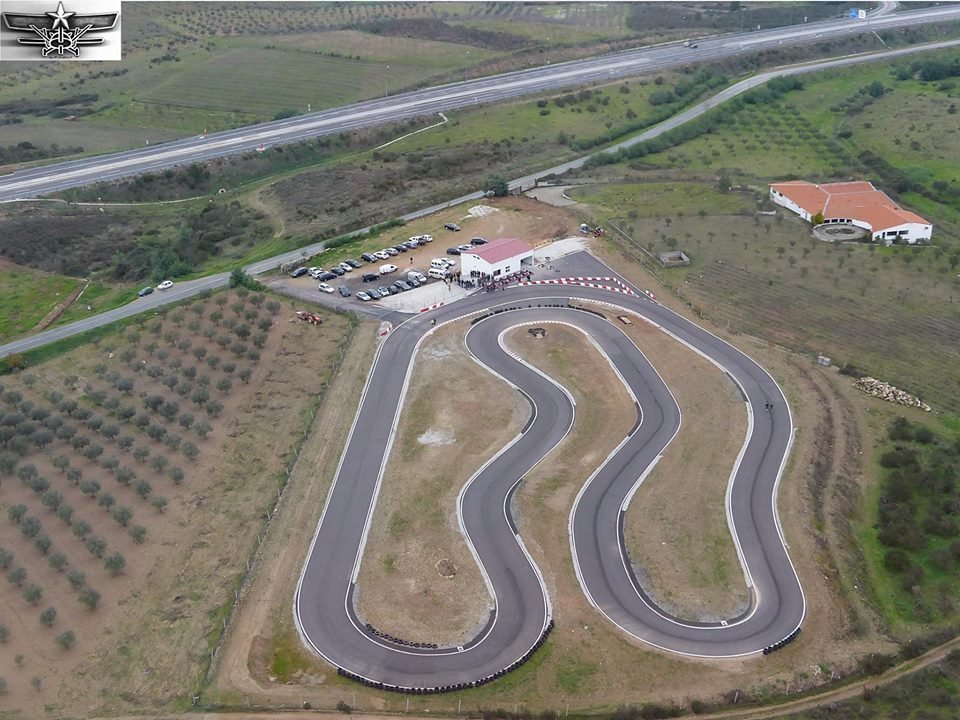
[[402, 285], [382, 254], [387, 269], [370, 277], [165, 285], [327, 276], [362, 296], [401, 248], [384, 291], [299, 272], [145, 291], [345, 266], [478, 241], [338, 271], [344, 290], [392, 290], [411, 244], [369, 257], [452, 226], [467, 247], [453, 251], [353, 263], [390, 251], [413, 281], [323, 287], [425, 238]]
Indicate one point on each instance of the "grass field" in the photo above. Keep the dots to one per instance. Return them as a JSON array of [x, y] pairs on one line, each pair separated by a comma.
[[767, 277], [27, 296]]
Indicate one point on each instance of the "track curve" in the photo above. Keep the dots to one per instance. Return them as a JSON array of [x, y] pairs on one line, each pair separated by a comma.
[[522, 615]]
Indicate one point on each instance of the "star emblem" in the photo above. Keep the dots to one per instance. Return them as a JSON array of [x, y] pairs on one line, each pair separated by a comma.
[[60, 17]]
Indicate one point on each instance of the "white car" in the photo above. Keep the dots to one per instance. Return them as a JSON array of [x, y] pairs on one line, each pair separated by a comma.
[[382, 254], [315, 272], [445, 261], [346, 267], [362, 296], [387, 269], [324, 287], [165, 285], [391, 251]]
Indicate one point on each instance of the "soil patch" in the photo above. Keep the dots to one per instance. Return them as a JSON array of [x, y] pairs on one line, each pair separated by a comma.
[[402, 588], [676, 526]]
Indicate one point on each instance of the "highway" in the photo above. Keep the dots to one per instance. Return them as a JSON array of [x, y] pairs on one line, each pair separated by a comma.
[[39, 181], [323, 605]]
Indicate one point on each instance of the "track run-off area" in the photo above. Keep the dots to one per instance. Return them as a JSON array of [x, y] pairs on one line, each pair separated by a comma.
[[522, 616]]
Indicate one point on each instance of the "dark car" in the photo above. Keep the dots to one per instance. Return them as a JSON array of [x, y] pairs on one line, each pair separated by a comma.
[[453, 251], [392, 290], [401, 247], [344, 290], [145, 291], [402, 285], [338, 271], [324, 276], [369, 257], [370, 277], [412, 244], [299, 272], [452, 226], [478, 241], [353, 263]]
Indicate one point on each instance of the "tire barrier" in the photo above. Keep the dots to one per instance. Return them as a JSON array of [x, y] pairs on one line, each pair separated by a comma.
[[400, 641], [786, 641], [458, 686]]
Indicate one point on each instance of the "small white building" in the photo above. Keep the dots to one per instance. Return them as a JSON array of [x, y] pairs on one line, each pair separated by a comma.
[[495, 259], [855, 203]]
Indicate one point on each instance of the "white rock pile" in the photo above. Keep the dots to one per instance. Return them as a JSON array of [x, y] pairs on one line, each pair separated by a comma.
[[886, 391]]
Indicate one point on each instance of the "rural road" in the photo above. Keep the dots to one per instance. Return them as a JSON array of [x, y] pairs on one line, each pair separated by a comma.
[[39, 181], [186, 289], [522, 614]]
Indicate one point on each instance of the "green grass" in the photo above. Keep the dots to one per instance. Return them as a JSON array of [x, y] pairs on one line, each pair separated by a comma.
[[26, 297], [651, 200], [99, 298], [287, 657], [573, 674]]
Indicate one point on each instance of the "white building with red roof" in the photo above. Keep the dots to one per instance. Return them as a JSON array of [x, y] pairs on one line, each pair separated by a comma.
[[856, 203], [495, 259]]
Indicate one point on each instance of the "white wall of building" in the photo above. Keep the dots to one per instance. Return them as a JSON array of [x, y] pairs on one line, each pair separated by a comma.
[[470, 262], [789, 204], [909, 233]]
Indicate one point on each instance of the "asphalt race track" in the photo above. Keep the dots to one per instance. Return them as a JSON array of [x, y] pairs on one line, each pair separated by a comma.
[[522, 616]]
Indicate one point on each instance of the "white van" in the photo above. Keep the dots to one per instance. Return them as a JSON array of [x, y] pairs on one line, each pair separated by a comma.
[[438, 273], [416, 275], [386, 269], [438, 264]]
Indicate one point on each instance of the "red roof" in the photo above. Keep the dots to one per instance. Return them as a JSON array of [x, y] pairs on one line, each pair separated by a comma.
[[855, 200], [499, 250]]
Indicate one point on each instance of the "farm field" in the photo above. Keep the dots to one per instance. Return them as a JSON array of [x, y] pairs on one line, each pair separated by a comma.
[[27, 296], [766, 276], [139, 463]]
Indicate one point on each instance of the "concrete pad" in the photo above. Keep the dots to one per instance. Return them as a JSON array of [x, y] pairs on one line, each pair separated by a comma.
[[559, 248], [429, 295], [552, 195]]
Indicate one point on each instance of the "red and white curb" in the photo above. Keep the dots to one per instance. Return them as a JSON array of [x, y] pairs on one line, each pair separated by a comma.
[[590, 282], [432, 307]]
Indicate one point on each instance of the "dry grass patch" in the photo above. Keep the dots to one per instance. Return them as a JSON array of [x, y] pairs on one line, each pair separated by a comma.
[[676, 526], [418, 579]]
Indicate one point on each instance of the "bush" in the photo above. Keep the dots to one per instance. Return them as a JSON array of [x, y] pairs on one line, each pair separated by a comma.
[[139, 534], [90, 598], [159, 503], [66, 639], [48, 617], [33, 593], [76, 578], [123, 515], [115, 564]]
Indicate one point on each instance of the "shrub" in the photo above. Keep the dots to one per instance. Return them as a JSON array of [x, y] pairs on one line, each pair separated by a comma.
[[123, 515], [95, 546], [81, 528], [66, 639], [48, 617], [139, 534], [106, 500], [159, 503], [16, 513], [58, 561], [17, 576], [33, 593], [90, 598], [176, 474], [115, 564], [65, 512], [76, 578], [43, 544], [6, 558], [90, 488]]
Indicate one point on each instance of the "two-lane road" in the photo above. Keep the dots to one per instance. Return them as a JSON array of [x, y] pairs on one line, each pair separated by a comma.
[[36, 182]]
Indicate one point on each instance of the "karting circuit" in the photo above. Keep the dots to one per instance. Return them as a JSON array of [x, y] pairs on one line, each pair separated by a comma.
[[522, 617]]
